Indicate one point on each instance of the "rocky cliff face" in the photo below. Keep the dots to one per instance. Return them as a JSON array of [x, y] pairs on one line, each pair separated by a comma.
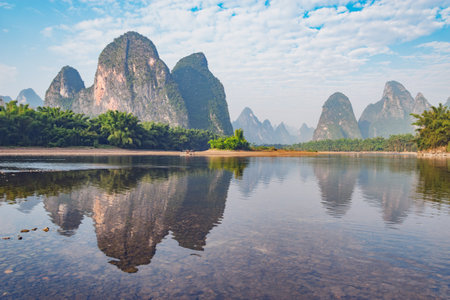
[[64, 88], [448, 102], [2, 103], [29, 96], [203, 94], [131, 77], [337, 120], [391, 115], [262, 133]]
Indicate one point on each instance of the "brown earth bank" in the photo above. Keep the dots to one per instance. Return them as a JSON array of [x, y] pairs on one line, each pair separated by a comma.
[[440, 152], [89, 151]]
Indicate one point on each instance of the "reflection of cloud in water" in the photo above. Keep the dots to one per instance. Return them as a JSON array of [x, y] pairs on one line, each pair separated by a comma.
[[336, 176]]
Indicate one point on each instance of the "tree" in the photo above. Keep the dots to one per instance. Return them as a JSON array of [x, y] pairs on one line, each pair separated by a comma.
[[433, 128], [235, 142], [119, 129]]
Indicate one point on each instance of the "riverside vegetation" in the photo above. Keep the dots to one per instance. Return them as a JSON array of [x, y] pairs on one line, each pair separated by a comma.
[[54, 127], [433, 128]]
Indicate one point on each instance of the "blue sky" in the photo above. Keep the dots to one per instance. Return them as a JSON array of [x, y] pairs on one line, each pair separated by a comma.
[[281, 58]]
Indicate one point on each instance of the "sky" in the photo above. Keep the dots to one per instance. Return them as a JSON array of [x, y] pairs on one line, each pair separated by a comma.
[[283, 59]]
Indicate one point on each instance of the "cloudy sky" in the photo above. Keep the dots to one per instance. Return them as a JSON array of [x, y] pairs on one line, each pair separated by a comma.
[[283, 59]]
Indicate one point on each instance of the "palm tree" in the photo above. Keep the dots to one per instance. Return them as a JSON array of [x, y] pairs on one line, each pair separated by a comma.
[[120, 128], [433, 127]]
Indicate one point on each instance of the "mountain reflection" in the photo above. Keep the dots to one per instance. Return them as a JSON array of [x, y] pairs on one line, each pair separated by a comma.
[[133, 209], [135, 205], [389, 184], [336, 177]]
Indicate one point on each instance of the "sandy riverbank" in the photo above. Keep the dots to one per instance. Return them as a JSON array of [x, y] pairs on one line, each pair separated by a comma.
[[85, 151]]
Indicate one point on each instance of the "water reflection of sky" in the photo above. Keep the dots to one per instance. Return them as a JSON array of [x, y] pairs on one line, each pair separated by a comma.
[[215, 228]]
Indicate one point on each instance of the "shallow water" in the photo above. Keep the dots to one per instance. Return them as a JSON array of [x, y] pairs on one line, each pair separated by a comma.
[[373, 226]]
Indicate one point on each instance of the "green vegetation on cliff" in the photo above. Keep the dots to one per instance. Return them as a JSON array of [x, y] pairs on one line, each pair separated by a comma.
[[204, 95]]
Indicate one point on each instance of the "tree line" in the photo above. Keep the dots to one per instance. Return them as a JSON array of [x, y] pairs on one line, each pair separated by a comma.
[[395, 143], [54, 127]]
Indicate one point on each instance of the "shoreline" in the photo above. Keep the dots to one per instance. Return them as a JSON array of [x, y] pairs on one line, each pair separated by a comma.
[[88, 151]]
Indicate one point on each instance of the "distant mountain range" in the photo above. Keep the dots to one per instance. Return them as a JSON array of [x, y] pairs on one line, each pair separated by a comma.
[[131, 77], [263, 133], [388, 116], [26, 96]]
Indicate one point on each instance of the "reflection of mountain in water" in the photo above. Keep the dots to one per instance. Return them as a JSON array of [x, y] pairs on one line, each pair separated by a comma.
[[265, 170], [192, 216], [336, 177], [389, 185], [134, 209]]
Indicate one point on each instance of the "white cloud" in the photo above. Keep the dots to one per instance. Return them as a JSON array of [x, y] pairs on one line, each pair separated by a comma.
[[47, 31], [6, 5], [264, 55], [443, 47]]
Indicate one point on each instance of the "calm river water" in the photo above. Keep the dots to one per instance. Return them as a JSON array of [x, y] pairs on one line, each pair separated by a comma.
[[371, 226]]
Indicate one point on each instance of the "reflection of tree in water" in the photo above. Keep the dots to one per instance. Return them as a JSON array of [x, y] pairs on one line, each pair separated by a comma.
[[236, 165], [434, 181], [336, 176], [134, 209], [387, 182]]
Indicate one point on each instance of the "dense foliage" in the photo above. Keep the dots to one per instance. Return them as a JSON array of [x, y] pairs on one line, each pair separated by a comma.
[[433, 128], [396, 143], [235, 142], [54, 127]]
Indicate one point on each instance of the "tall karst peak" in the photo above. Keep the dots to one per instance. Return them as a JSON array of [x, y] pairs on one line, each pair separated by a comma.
[[337, 120], [132, 78], [129, 45], [391, 115], [195, 60], [203, 94], [64, 88]]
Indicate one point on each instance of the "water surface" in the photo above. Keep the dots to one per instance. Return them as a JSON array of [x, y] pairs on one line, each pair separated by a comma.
[[372, 226]]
